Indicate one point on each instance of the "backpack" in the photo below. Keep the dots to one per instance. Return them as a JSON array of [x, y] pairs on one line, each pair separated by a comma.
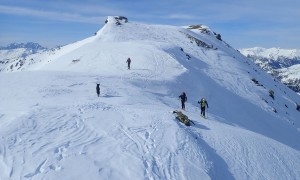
[[183, 97], [203, 102]]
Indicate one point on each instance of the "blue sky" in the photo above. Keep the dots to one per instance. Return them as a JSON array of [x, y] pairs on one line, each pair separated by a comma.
[[242, 23]]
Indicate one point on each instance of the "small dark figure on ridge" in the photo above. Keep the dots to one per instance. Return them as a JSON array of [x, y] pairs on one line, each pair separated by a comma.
[[128, 62], [98, 89]]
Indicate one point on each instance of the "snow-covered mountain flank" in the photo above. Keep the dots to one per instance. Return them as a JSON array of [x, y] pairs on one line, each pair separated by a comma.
[[15, 54], [284, 64], [54, 126]]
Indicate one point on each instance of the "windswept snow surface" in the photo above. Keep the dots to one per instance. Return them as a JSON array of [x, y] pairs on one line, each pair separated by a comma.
[[53, 125]]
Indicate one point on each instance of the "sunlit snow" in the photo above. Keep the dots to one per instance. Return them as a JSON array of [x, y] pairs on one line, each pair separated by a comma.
[[53, 125]]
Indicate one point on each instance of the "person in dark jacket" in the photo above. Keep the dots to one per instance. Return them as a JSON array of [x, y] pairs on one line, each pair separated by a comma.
[[128, 62], [203, 103], [183, 99], [98, 89]]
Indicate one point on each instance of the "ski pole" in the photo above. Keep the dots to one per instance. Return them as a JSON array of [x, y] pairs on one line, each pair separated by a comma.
[[185, 106], [207, 113], [192, 122]]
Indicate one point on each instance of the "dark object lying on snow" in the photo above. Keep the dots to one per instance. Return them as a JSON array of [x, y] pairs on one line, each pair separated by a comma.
[[182, 118]]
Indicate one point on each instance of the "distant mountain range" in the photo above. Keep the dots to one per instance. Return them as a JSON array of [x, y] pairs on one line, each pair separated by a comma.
[[284, 64], [30, 45], [14, 55]]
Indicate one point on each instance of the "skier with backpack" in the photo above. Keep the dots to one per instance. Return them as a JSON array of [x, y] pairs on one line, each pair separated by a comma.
[[203, 103], [183, 99]]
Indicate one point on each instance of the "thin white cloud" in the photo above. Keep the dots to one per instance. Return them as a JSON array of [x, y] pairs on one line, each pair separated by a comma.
[[180, 16], [283, 32], [52, 15], [94, 9], [278, 11], [84, 7]]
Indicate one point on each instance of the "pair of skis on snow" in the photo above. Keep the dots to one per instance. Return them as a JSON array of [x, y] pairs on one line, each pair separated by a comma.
[[203, 116]]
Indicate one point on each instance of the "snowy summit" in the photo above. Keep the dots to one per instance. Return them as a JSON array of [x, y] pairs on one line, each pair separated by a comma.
[[54, 126]]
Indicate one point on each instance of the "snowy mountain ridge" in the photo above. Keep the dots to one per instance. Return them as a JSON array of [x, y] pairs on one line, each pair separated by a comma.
[[271, 53], [53, 125], [29, 45], [281, 63], [15, 55]]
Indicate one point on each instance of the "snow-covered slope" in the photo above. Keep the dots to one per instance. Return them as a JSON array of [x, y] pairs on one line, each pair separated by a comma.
[[290, 76], [281, 63], [53, 125]]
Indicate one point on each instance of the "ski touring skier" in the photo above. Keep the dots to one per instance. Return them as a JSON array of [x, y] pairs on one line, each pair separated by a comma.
[[203, 103], [128, 62], [98, 89], [183, 99]]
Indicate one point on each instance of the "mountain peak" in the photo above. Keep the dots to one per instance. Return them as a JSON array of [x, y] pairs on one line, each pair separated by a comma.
[[118, 20], [205, 30], [201, 28]]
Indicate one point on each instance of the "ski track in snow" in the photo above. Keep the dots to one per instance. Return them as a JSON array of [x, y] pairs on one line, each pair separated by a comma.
[[49, 136], [39, 136]]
